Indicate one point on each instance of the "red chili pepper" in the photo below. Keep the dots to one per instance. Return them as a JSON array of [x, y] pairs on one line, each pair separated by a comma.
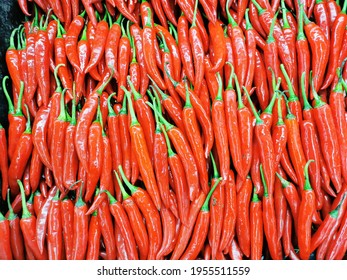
[[185, 153], [239, 49], [184, 47], [27, 225], [148, 40], [151, 215], [5, 243], [3, 162], [327, 133], [256, 227], [260, 81], [94, 235], [230, 213], [54, 230], [196, 45], [107, 231], [266, 148], [71, 38], [42, 56], [16, 236], [20, 157], [243, 218], [280, 207], [200, 229], [67, 216], [251, 51], [122, 8], [80, 228], [306, 210], [204, 120], [98, 47], [136, 221], [269, 220], [84, 121], [319, 49]]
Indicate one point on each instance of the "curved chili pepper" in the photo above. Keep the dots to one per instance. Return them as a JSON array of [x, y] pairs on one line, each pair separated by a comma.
[[184, 47], [71, 38], [269, 220], [122, 8], [95, 158], [218, 45], [16, 119], [169, 11], [184, 151], [142, 155], [192, 133], [260, 81], [84, 121], [321, 16], [123, 224], [267, 155], [98, 48], [204, 121], [151, 215], [319, 49], [200, 229], [27, 225], [196, 45], [148, 41], [136, 33], [327, 133], [136, 221], [16, 236], [239, 49], [20, 157], [328, 224]]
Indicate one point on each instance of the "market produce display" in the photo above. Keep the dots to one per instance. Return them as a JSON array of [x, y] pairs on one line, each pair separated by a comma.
[[167, 130]]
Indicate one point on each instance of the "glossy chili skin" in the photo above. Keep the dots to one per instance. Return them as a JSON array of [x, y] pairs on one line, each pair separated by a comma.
[[319, 52], [269, 220], [3, 162], [243, 218], [218, 45], [230, 213], [71, 38], [184, 47], [54, 230], [328, 141], [256, 227], [306, 210], [260, 81], [201, 228], [185, 231], [67, 216], [5, 244], [94, 235], [151, 215], [123, 224], [80, 229], [148, 38]]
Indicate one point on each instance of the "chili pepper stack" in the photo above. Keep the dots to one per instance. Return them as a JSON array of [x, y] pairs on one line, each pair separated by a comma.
[[175, 130]]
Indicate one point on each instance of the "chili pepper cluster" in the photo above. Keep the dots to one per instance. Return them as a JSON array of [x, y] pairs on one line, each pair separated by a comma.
[[176, 130]]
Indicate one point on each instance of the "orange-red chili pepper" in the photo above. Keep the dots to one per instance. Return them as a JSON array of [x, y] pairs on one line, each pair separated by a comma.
[[151, 215], [256, 227]]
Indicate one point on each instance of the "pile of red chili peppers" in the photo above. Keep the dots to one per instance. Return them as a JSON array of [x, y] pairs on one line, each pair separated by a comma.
[[175, 130]]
